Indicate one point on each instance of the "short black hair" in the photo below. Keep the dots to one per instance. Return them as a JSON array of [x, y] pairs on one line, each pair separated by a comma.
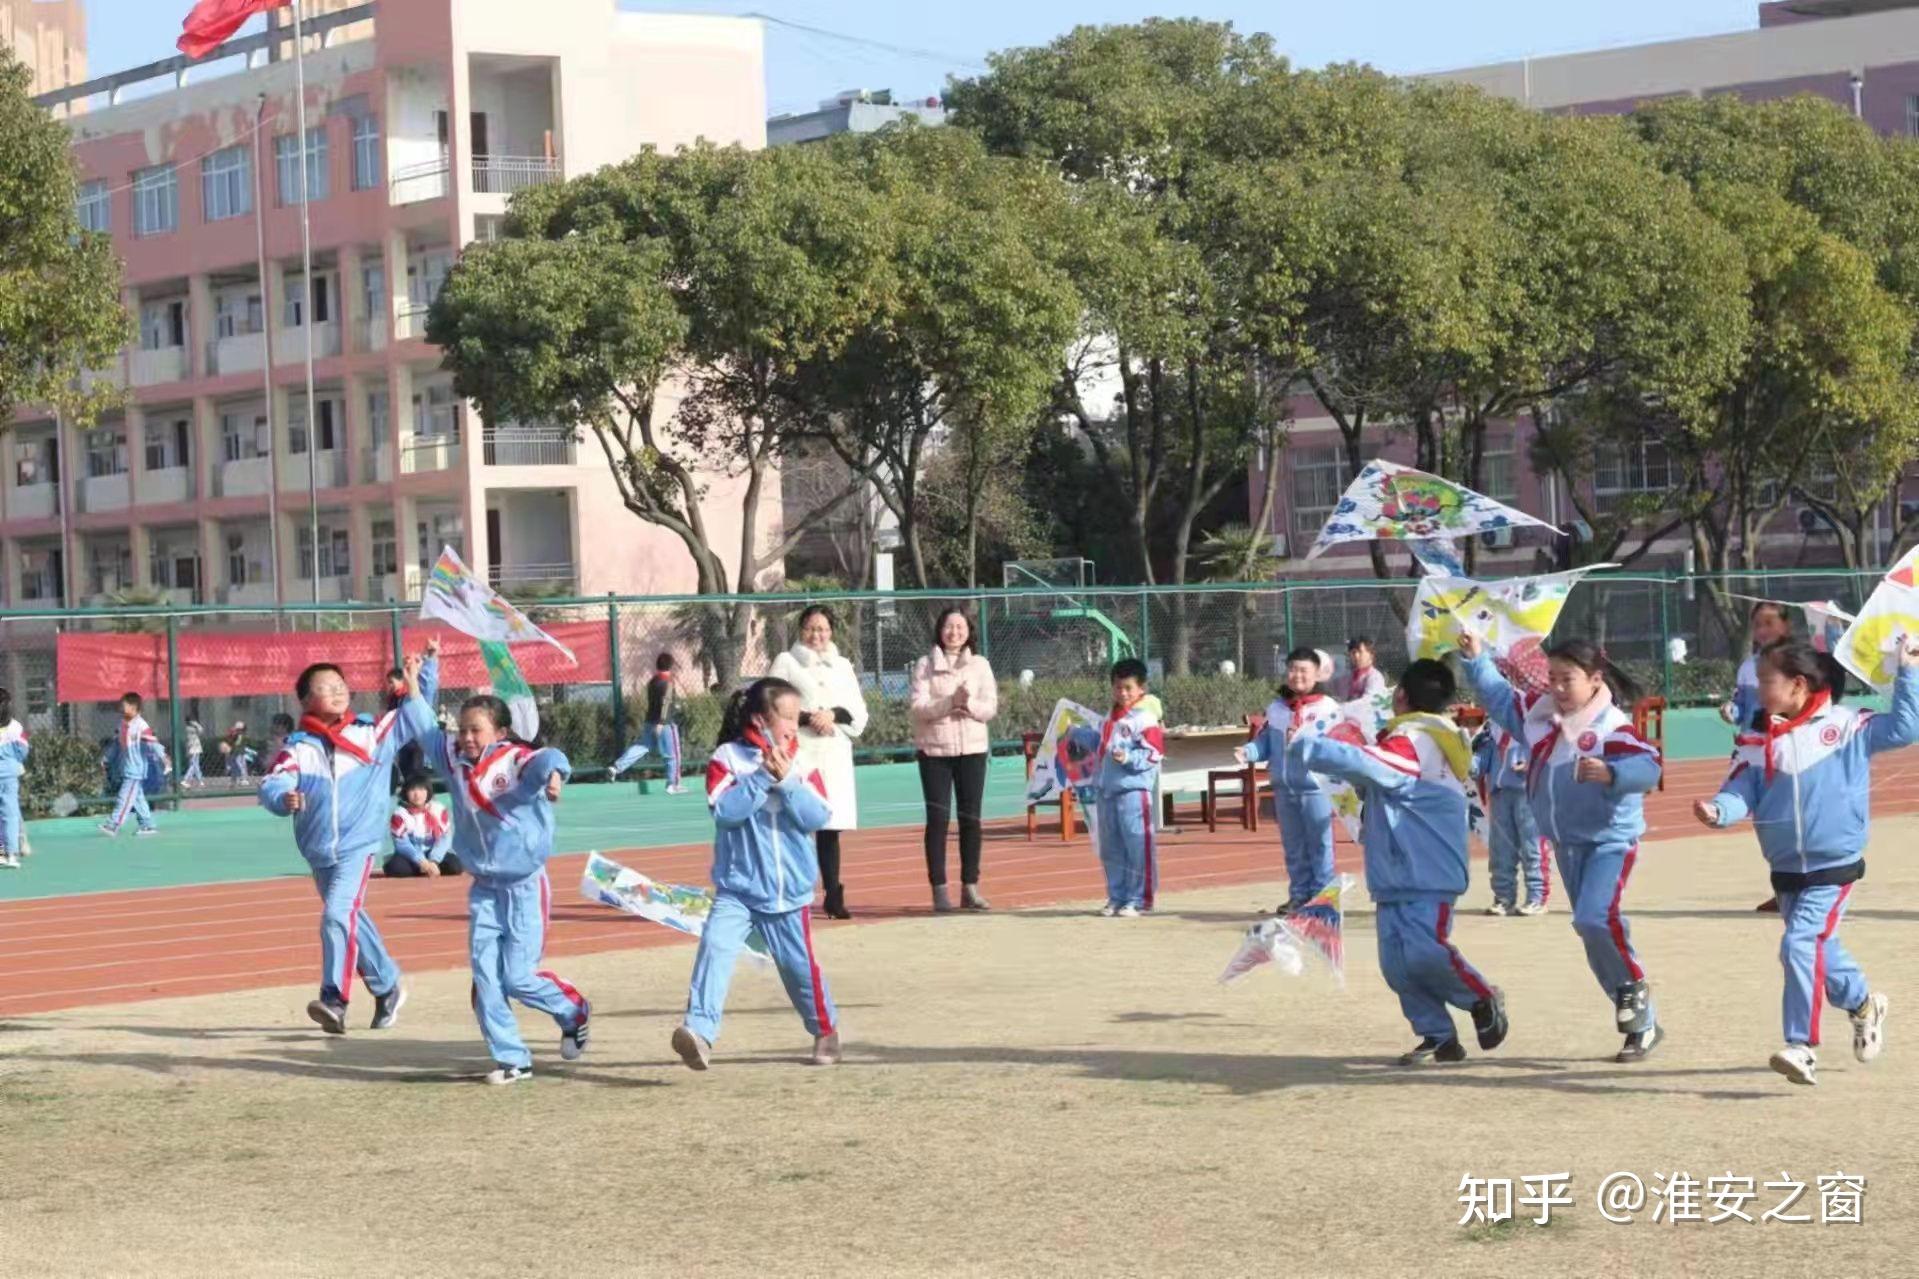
[[1303, 655], [417, 781], [304, 685], [818, 610], [281, 723], [1130, 668], [1429, 685], [130, 699], [1360, 641], [664, 662]]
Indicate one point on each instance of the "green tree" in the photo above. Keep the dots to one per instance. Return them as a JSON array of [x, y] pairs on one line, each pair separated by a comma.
[[60, 311]]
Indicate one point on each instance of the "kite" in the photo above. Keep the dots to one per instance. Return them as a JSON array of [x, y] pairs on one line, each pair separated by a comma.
[[1870, 646], [1511, 617], [1068, 754], [461, 600], [1315, 930], [1387, 500], [607, 883], [503, 673], [1826, 622]]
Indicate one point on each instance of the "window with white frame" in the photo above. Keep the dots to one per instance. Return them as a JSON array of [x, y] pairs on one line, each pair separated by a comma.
[[1498, 470], [106, 451], [1320, 475], [163, 324], [243, 434], [443, 530], [426, 275], [297, 425], [156, 200], [175, 567], [40, 574], [168, 442], [226, 183], [109, 567], [1912, 115], [36, 460], [373, 290], [366, 152], [376, 419], [436, 413], [1621, 471], [92, 206], [335, 559], [293, 311], [386, 548], [237, 313], [286, 163], [239, 566]]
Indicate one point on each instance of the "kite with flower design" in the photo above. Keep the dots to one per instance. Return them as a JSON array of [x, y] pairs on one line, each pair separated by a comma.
[[1392, 502]]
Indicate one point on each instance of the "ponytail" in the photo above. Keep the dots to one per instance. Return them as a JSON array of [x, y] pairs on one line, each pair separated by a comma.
[[1591, 658], [749, 703], [1796, 659]]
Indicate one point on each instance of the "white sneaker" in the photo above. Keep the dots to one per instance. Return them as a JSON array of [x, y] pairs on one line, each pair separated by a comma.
[[1531, 908], [508, 1074], [1128, 911], [1869, 1027], [9, 861], [1499, 908], [110, 831], [1798, 1063], [1108, 911]]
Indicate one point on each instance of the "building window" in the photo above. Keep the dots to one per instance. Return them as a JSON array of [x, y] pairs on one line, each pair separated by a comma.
[[1912, 115], [106, 452], [286, 160], [163, 325], [237, 559], [373, 285], [366, 153], [426, 276], [173, 568], [156, 200], [92, 207], [1319, 477], [445, 530], [35, 461], [297, 425], [109, 567], [1621, 471], [376, 420], [226, 183], [237, 314], [40, 574], [386, 549], [243, 435], [435, 414], [1498, 478], [335, 560], [293, 313], [168, 441]]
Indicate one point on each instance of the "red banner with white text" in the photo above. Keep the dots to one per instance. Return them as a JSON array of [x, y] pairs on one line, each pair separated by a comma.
[[95, 667]]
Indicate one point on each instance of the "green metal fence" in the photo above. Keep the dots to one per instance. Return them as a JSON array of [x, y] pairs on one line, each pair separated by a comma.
[[1217, 648]]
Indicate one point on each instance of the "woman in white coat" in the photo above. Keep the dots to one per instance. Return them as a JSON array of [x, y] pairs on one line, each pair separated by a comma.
[[832, 714]]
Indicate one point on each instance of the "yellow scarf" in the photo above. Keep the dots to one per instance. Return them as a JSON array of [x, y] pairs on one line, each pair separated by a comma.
[[1445, 734]]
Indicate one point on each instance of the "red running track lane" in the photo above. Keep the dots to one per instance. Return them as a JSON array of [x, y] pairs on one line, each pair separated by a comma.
[[104, 948]]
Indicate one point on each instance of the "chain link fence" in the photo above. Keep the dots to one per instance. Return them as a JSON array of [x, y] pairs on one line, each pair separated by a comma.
[[1216, 652]]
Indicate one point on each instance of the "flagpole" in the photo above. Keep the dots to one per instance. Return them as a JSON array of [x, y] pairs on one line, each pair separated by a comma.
[[306, 310]]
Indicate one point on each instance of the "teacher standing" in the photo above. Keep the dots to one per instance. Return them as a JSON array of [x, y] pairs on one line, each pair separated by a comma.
[[953, 699], [832, 714]]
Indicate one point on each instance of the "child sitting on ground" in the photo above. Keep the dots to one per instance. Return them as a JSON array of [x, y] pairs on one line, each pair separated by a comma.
[[422, 834]]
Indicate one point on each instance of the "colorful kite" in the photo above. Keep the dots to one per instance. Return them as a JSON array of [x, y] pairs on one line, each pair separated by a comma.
[[1870, 646], [607, 883], [1387, 500], [1315, 929], [1068, 754], [503, 673], [1826, 622], [1511, 617], [1438, 557], [467, 604]]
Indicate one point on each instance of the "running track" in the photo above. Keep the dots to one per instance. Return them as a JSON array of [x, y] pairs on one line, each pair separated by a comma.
[[106, 948]]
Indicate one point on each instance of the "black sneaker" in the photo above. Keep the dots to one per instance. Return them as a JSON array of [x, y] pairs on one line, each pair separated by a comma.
[[386, 1008], [1430, 1050], [1640, 1044], [1282, 910], [1632, 1008], [330, 1017], [1489, 1020], [573, 1042]]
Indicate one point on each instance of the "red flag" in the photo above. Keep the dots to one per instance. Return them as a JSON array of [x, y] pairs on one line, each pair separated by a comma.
[[212, 21]]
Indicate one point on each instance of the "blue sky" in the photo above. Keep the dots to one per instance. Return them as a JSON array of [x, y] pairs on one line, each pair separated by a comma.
[[932, 40]]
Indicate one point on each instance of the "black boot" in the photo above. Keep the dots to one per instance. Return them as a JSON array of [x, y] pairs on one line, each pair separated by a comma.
[[835, 907]]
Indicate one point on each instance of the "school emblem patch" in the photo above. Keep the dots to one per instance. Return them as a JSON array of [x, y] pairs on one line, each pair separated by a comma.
[[1829, 735], [1588, 740], [500, 783]]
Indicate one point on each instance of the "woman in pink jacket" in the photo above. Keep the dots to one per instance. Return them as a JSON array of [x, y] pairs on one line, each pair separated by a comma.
[[953, 699]]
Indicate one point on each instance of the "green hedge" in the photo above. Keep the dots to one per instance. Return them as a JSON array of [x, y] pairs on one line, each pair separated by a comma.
[[59, 765]]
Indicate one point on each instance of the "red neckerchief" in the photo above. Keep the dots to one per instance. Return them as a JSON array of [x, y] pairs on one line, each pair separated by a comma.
[[475, 768], [1778, 726], [336, 734], [1356, 683]]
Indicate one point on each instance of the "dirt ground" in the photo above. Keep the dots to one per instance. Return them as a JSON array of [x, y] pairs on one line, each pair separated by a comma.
[[1040, 1092]]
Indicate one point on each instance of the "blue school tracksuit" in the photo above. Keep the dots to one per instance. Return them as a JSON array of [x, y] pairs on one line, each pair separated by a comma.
[[1123, 818], [1303, 808], [1414, 836], [13, 762], [341, 774], [1805, 783], [1594, 828], [1513, 847], [764, 869], [503, 835], [136, 752]]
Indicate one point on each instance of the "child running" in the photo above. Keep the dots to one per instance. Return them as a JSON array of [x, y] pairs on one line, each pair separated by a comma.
[[503, 792], [1305, 812], [660, 735], [1132, 744], [764, 869], [1587, 773], [13, 762], [331, 778], [1804, 780], [1771, 624], [135, 750], [1514, 851], [422, 834], [1414, 836], [196, 750]]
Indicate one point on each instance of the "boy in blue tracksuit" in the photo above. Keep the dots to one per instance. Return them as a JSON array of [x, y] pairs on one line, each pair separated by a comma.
[[1132, 743], [1414, 836], [13, 762], [1805, 780], [660, 732], [330, 777], [1514, 850], [1587, 772], [502, 793], [764, 869], [1304, 810], [136, 752]]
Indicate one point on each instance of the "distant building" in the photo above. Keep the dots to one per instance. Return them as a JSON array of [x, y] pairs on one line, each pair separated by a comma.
[[50, 36], [854, 111]]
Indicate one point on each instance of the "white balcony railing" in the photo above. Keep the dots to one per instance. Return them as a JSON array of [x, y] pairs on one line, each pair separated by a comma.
[[396, 587], [33, 502], [410, 321], [105, 493], [429, 453], [376, 466], [505, 174], [241, 353], [541, 577], [290, 345], [170, 484], [248, 593], [162, 364], [417, 182], [329, 467], [246, 477], [540, 445]]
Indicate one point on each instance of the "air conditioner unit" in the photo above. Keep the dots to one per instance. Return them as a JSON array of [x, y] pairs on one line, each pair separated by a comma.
[[1811, 523], [1497, 539], [1281, 550]]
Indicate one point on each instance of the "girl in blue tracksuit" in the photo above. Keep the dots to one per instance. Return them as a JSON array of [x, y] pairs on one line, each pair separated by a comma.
[[330, 777], [1771, 624], [1304, 811], [1514, 851], [1588, 772], [136, 752], [1414, 836], [764, 869], [502, 792], [1804, 780], [1132, 745], [13, 762]]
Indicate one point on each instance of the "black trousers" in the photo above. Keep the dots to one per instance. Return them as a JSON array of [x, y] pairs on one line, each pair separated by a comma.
[[400, 866], [941, 778], [828, 844]]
